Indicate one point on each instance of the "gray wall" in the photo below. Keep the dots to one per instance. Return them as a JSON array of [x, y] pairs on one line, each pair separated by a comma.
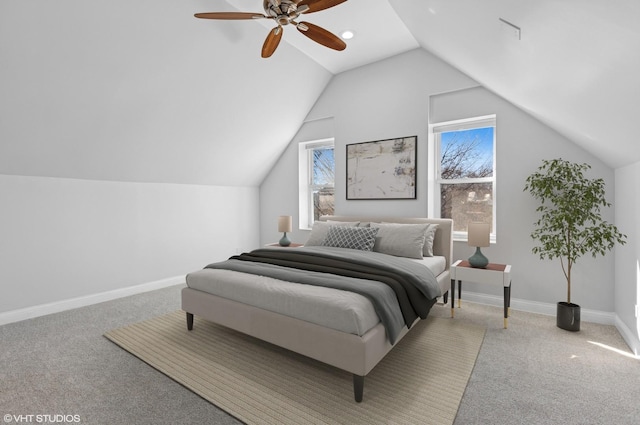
[[397, 97], [279, 190], [522, 142], [384, 100]]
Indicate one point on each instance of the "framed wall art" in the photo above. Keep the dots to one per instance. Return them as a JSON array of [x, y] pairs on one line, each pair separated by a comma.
[[383, 169]]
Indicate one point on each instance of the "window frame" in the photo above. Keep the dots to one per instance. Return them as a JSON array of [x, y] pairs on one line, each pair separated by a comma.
[[436, 182], [305, 180]]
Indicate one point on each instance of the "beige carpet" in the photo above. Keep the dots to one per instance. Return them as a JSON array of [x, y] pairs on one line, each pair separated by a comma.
[[421, 380]]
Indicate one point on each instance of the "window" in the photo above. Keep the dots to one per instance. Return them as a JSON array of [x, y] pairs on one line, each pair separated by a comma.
[[465, 177], [316, 180]]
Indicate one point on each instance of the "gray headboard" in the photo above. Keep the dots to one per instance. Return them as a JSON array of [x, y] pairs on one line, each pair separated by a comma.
[[442, 243]]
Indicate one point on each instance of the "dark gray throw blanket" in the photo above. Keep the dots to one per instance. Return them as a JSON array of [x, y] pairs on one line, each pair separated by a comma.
[[414, 286]]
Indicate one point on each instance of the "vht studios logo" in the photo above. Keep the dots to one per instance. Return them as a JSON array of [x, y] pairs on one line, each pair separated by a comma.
[[42, 419]]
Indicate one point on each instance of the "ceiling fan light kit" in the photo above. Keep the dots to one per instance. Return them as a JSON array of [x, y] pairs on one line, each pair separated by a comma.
[[285, 12]]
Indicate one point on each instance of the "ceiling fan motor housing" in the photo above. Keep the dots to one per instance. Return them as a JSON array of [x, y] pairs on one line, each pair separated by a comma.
[[283, 11]]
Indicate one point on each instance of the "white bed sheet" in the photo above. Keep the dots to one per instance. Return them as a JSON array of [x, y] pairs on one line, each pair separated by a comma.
[[332, 308], [437, 264]]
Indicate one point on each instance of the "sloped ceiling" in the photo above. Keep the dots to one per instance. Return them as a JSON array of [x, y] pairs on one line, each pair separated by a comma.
[[576, 66], [143, 91]]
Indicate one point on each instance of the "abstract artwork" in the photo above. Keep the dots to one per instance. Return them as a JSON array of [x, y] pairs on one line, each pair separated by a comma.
[[384, 169]]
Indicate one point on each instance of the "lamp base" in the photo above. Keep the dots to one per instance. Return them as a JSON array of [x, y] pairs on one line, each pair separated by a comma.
[[284, 241], [478, 260]]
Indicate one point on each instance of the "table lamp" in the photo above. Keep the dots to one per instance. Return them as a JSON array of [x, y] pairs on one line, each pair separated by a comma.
[[478, 236], [284, 225]]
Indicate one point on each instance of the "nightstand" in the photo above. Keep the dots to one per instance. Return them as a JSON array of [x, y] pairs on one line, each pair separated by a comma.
[[495, 274]]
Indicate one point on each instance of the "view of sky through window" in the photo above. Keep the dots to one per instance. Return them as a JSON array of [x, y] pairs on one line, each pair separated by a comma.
[[467, 175], [469, 152], [323, 166]]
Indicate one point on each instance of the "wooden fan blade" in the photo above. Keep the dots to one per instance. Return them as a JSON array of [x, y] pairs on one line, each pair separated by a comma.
[[271, 42], [322, 36], [317, 5], [229, 15]]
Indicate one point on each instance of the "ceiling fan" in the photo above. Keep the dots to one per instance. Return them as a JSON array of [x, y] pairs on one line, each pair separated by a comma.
[[285, 12]]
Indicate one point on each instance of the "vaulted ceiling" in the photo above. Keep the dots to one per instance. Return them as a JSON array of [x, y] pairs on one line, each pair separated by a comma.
[[143, 91], [575, 66]]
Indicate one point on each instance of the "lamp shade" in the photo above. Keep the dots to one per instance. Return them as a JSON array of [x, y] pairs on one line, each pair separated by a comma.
[[478, 234], [284, 223]]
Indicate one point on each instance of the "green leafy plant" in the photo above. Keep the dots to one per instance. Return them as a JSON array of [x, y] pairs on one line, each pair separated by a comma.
[[570, 224]]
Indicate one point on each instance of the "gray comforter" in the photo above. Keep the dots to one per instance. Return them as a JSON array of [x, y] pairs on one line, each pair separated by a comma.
[[413, 287]]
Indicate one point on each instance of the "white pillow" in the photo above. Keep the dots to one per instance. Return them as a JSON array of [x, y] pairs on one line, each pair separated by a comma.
[[321, 228]]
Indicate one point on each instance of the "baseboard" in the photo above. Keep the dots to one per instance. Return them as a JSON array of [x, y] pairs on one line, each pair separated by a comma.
[[58, 306], [594, 316], [629, 337], [547, 309]]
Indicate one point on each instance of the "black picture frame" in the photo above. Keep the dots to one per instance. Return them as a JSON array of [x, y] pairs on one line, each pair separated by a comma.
[[382, 169]]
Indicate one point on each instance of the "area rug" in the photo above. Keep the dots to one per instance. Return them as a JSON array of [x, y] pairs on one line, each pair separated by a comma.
[[421, 381]]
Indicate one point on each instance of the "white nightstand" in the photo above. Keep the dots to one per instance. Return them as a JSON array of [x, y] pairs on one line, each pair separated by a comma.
[[495, 274]]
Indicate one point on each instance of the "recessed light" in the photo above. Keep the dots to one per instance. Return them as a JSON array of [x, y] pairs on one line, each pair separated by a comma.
[[347, 34]]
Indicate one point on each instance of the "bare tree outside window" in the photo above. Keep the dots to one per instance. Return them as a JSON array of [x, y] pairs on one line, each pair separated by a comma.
[[323, 180], [467, 175]]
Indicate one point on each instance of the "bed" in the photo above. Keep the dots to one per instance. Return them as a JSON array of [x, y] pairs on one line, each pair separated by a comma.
[[227, 296]]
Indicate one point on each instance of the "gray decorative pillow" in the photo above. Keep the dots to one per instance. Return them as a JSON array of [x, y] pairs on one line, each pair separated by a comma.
[[361, 238], [429, 237], [321, 228], [401, 240]]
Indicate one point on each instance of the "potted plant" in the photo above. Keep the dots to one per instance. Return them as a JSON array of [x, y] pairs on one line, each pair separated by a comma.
[[570, 223]]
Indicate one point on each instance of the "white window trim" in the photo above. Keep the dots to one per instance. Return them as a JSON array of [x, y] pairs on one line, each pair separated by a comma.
[[305, 203], [434, 182]]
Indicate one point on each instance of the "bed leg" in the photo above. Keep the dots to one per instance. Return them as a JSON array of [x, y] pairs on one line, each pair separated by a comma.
[[358, 387], [190, 321], [445, 298]]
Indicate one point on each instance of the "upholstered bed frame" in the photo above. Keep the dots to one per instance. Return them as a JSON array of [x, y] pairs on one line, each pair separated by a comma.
[[355, 354]]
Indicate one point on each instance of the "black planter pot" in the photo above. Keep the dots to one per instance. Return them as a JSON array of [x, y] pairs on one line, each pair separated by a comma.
[[568, 316]]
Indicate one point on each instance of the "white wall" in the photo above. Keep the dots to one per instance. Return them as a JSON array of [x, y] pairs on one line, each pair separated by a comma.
[[397, 97], [65, 238], [627, 292]]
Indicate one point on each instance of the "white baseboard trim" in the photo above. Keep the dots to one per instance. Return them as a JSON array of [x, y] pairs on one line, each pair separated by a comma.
[[58, 306], [632, 340], [548, 309], [594, 316]]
